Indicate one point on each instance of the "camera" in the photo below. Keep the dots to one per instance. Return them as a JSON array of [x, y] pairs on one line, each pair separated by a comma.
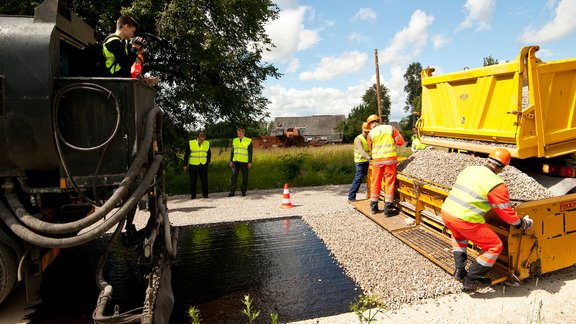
[[138, 41]]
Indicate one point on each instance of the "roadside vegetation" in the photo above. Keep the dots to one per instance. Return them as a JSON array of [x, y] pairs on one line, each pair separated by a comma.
[[272, 168]]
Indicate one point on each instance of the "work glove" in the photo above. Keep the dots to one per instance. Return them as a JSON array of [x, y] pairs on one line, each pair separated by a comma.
[[526, 223]]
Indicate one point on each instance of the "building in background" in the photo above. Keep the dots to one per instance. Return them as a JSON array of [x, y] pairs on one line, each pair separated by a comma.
[[320, 128]]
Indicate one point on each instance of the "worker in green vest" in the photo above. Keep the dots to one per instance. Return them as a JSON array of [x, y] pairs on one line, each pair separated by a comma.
[[240, 160], [196, 160], [416, 143], [121, 48], [362, 158]]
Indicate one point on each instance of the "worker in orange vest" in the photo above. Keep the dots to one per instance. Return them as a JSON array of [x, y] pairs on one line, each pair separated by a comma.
[[383, 140], [477, 190]]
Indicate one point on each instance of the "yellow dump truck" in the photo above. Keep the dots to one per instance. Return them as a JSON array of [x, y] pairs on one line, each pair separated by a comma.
[[525, 105]]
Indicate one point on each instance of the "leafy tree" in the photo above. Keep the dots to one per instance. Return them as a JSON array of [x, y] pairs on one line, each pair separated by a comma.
[[413, 88], [370, 99], [18, 7], [207, 53], [490, 61], [352, 126]]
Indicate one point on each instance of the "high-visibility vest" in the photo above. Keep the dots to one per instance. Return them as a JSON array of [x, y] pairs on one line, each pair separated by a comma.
[[198, 154], [241, 149], [417, 144], [383, 144], [358, 158], [111, 63], [468, 198]]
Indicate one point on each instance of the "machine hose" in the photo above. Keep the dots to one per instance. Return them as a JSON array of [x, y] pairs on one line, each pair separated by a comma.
[[106, 289], [40, 226], [29, 236]]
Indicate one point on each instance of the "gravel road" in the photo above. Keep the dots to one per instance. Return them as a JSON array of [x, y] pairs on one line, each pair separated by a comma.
[[412, 287]]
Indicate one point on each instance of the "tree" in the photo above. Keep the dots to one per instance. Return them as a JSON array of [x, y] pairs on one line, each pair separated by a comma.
[[207, 53], [413, 88], [352, 126], [490, 61]]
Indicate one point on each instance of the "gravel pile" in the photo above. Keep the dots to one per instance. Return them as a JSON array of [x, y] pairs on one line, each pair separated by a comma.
[[443, 168], [379, 262]]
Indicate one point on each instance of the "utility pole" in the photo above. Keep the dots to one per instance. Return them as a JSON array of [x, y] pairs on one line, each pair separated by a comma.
[[378, 84]]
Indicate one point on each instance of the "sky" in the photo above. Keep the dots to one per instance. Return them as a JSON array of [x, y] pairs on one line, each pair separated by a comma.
[[325, 49]]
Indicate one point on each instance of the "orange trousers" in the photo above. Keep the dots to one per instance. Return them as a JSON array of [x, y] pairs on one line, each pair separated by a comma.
[[480, 234], [388, 171]]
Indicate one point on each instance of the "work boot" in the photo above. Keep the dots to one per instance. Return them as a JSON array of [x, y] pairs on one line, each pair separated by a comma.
[[460, 259], [475, 279], [374, 207], [460, 274], [390, 210]]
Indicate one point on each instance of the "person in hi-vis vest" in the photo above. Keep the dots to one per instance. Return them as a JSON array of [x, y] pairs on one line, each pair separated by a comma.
[[362, 158], [383, 140], [477, 191], [196, 161], [240, 160]]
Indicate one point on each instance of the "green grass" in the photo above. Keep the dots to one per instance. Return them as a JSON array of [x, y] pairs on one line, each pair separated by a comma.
[[272, 168]]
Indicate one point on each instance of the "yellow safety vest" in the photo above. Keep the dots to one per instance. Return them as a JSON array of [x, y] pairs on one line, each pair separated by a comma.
[[383, 145], [241, 149], [358, 158], [468, 198], [109, 56], [416, 144], [198, 154]]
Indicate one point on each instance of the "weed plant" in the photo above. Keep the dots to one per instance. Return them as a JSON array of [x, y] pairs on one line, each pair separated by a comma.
[[272, 168]]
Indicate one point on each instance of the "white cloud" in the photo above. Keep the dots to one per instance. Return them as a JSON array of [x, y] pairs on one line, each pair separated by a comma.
[[315, 101], [439, 41], [289, 34], [331, 67], [366, 14], [562, 24], [408, 43], [293, 65], [357, 37], [479, 14], [405, 47]]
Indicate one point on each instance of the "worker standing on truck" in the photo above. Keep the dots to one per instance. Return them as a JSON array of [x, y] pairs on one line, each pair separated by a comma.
[[118, 53], [362, 158], [477, 190], [196, 160], [240, 160], [383, 140]]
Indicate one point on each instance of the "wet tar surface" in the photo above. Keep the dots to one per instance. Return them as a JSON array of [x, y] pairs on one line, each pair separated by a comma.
[[281, 264]]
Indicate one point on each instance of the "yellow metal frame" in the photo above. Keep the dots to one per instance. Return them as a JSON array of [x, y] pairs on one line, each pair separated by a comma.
[[486, 104], [548, 246]]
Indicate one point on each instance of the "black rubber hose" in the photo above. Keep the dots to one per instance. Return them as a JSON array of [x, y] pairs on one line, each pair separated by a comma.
[[72, 227], [27, 235]]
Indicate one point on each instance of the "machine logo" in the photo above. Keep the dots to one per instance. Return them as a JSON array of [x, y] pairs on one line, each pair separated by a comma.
[[567, 205]]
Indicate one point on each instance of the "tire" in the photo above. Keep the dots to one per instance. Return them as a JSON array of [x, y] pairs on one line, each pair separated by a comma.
[[8, 271]]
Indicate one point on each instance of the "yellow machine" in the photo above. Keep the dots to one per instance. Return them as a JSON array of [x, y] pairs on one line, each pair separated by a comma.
[[527, 106]]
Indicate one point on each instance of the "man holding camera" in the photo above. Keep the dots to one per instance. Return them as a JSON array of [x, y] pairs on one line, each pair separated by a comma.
[[120, 49]]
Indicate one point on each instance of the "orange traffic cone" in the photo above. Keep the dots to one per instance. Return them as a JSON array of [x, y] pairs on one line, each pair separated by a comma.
[[286, 198]]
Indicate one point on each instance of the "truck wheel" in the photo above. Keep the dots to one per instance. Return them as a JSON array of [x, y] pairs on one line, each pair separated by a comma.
[[8, 271]]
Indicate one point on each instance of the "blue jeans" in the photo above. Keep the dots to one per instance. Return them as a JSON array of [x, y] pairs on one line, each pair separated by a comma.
[[361, 171]]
